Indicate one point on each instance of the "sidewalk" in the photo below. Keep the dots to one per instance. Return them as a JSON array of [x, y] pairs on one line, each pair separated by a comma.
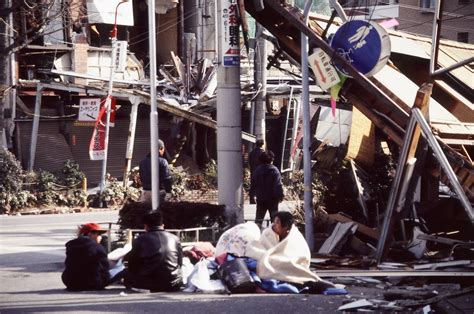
[[250, 209]]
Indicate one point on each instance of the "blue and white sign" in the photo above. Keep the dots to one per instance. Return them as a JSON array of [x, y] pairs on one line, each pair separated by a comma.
[[230, 34], [366, 45]]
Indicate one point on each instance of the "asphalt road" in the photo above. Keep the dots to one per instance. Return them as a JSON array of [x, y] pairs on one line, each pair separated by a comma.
[[31, 262]]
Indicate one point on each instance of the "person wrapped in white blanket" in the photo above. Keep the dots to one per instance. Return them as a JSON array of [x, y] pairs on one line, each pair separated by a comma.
[[283, 254]]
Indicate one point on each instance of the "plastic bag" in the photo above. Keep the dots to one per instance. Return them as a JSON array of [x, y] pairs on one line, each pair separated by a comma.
[[236, 276], [200, 279]]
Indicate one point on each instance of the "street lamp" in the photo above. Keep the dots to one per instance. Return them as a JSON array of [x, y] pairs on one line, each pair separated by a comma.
[[108, 100]]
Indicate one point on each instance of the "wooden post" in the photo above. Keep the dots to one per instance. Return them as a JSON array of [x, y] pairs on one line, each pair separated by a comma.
[[422, 101]]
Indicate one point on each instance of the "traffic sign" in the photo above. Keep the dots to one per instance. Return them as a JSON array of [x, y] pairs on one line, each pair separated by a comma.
[[326, 74], [366, 45]]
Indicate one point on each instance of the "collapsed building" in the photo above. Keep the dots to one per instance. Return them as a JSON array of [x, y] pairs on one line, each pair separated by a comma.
[[61, 64]]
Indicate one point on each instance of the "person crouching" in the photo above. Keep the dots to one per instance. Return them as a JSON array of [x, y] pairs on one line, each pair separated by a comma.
[[87, 265]]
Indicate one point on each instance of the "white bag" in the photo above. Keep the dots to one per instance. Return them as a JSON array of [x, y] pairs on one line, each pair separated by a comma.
[[200, 279]]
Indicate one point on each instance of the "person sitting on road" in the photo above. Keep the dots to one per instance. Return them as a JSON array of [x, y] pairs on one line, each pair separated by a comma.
[[156, 258], [283, 254], [87, 265]]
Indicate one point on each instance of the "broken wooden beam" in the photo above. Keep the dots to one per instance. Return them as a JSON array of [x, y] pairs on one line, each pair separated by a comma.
[[338, 237]]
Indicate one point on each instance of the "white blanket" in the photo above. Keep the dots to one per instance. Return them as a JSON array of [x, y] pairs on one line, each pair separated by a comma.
[[287, 260]]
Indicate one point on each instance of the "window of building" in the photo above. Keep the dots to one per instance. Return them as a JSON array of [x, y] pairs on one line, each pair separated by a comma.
[[427, 4], [463, 37]]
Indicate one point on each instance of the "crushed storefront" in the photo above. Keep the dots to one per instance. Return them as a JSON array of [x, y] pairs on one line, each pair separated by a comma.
[[367, 228]]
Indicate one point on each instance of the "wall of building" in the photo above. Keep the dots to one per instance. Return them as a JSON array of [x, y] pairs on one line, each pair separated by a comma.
[[457, 20]]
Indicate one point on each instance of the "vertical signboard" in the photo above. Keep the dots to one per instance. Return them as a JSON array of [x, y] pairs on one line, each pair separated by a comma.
[[230, 34], [97, 142], [121, 56]]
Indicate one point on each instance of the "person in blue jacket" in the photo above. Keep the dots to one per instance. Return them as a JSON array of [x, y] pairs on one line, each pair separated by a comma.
[[267, 187], [164, 174]]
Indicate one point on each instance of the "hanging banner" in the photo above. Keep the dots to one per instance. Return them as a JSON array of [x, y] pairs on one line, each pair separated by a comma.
[[97, 142], [230, 34]]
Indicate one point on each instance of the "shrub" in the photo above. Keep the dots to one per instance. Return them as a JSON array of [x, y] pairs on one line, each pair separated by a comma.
[[73, 175], [47, 191], [11, 175], [178, 179], [210, 173], [115, 194]]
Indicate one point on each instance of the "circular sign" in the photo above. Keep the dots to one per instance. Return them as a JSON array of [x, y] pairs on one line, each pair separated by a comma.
[[366, 45]]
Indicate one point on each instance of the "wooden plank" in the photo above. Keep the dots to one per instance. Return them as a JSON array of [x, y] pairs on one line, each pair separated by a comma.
[[433, 266], [372, 233], [422, 102], [338, 237]]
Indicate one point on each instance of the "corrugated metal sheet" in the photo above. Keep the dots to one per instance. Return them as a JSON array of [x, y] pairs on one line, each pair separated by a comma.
[[117, 145], [52, 150]]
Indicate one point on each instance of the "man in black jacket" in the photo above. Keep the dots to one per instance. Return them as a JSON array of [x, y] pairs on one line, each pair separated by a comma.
[[164, 174], [87, 266], [267, 187], [156, 258], [254, 162]]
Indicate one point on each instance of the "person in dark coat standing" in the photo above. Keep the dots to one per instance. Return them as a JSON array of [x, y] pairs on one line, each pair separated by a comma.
[[164, 174], [87, 265], [156, 258], [254, 161], [267, 187]]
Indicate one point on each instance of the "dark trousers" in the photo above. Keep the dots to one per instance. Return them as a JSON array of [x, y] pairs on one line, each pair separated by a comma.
[[262, 207]]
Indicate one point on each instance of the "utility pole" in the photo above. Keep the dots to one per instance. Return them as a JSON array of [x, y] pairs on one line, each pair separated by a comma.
[[260, 83], [308, 194], [229, 122], [4, 75], [108, 100], [155, 185]]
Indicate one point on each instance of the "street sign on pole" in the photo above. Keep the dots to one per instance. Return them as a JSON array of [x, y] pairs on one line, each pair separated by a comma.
[[121, 57], [366, 45], [326, 74], [88, 109], [230, 34]]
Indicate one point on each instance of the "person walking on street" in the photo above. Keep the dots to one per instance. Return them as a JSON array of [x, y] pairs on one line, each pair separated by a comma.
[[267, 187], [164, 175], [254, 161], [156, 258]]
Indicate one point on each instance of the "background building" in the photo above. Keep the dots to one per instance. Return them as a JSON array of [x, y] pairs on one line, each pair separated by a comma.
[[416, 16]]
